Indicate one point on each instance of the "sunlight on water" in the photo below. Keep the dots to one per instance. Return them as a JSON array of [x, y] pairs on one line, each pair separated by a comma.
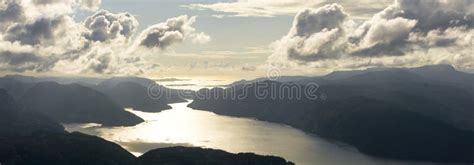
[[193, 84], [187, 127]]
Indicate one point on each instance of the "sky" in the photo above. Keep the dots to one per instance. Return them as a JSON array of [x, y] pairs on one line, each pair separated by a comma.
[[231, 39]]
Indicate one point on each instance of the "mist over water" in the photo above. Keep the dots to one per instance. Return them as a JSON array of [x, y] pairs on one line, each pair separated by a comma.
[[183, 126]]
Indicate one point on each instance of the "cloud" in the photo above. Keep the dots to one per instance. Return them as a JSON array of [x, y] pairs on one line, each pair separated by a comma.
[[91, 5], [200, 38], [315, 35], [10, 12], [24, 61], [41, 31], [394, 26], [47, 2], [269, 8], [42, 36], [407, 32], [174, 30], [385, 37], [100, 64], [249, 68], [103, 26]]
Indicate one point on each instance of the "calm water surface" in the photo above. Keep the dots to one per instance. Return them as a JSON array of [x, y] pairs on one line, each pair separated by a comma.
[[183, 126]]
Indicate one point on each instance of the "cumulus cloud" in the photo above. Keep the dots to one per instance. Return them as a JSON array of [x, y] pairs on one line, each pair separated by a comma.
[[42, 35], [407, 32], [393, 27], [315, 35], [103, 26], [173, 30], [385, 37], [41, 31]]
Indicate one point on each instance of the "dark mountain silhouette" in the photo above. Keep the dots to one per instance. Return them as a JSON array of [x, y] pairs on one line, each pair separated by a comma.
[[14, 87], [84, 81], [133, 95], [74, 103], [14, 122], [29, 138], [197, 156], [139, 93], [111, 82], [62, 149], [391, 113]]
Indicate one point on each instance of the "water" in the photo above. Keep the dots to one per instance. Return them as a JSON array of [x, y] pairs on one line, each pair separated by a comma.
[[183, 126]]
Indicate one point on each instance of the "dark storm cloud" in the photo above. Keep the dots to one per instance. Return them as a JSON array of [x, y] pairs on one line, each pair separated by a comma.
[[104, 26], [18, 58], [40, 31], [10, 12], [24, 61]]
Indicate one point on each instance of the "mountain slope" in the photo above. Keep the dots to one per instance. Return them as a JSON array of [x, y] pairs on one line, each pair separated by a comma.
[[76, 104], [29, 138], [139, 93], [391, 113]]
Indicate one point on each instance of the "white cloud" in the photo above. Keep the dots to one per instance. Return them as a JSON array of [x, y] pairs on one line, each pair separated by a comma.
[[104, 25], [270, 8], [91, 5], [315, 35], [173, 30], [42, 36], [406, 33]]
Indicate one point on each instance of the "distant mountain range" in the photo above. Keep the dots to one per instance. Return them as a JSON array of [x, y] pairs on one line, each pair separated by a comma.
[[89, 100], [424, 113]]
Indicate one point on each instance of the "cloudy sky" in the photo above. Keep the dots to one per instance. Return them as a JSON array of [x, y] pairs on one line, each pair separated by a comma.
[[233, 38]]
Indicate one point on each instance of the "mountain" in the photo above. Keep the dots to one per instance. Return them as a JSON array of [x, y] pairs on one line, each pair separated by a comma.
[[279, 79], [81, 149], [14, 87], [195, 156], [62, 149], [390, 113], [84, 81], [111, 82], [29, 138], [445, 74], [139, 93], [13, 121], [133, 95], [74, 103]]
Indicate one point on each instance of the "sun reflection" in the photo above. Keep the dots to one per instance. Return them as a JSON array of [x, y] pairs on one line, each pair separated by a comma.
[[183, 126]]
